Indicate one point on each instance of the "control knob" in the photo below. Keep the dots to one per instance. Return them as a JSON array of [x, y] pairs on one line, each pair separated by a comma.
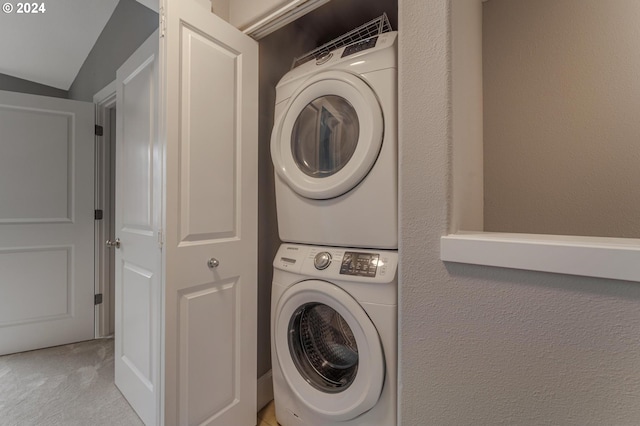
[[322, 260]]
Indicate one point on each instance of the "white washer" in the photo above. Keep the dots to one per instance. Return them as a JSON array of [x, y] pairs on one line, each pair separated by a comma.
[[334, 148], [334, 336]]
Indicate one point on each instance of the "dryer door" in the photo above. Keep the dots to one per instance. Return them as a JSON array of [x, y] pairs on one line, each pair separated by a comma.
[[329, 135], [328, 350]]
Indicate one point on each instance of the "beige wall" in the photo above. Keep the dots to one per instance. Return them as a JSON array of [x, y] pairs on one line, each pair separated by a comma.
[[491, 346], [561, 124], [221, 8]]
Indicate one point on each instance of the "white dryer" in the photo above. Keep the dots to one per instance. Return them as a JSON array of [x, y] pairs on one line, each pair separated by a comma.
[[334, 336], [334, 148]]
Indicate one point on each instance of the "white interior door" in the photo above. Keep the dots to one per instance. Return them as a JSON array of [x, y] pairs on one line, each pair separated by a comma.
[[211, 116], [46, 221], [138, 259]]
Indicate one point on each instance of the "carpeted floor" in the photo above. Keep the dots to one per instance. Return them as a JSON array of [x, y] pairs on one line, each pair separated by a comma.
[[68, 385]]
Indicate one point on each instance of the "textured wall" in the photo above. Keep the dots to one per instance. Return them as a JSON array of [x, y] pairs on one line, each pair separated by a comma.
[[561, 102], [129, 26], [490, 346], [14, 84]]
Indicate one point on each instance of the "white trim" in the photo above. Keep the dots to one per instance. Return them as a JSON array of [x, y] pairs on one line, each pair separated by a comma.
[[282, 17], [104, 100], [265, 389], [104, 95], [613, 258]]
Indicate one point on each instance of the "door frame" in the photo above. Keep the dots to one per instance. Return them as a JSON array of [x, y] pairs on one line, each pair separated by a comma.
[[104, 100]]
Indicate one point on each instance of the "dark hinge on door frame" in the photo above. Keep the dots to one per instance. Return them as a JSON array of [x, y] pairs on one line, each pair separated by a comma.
[[97, 215], [97, 299], [99, 130], [163, 23]]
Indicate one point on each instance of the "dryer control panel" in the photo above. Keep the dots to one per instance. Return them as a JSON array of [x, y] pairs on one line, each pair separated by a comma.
[[338, 263], [360, 46]]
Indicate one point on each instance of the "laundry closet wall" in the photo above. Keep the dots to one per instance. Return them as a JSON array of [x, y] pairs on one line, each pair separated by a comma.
[[276, 51]]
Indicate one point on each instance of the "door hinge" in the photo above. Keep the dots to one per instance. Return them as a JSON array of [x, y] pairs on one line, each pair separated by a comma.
[[99, 130], [97, 215], [163, 23], [160, 238], [97, 299]]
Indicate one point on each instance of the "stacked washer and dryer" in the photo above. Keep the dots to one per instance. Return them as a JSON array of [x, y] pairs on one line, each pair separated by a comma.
[[334, 295]]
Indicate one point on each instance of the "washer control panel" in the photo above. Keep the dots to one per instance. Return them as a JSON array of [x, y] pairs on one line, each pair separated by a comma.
[[359, 265]]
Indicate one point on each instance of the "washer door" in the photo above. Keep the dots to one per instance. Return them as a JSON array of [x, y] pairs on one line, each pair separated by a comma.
[[329, 135], [329, 350]]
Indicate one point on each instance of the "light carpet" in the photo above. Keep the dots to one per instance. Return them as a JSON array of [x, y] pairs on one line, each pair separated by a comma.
[[68, 385]]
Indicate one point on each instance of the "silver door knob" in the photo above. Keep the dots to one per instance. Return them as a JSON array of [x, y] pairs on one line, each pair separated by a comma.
[[213, 263], [115, 243]]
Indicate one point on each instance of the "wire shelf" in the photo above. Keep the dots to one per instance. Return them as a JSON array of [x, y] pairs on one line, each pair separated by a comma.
[[370, 29]]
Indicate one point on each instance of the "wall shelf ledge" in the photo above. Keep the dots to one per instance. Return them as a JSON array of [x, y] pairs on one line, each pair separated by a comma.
[[613, 258]]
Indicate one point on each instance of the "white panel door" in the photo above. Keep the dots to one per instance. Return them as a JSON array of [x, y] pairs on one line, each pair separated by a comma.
[[46, 221], [138, 260], [211, 117]]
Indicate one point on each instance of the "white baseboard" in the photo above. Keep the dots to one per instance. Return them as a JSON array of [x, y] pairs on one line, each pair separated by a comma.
[[265, 390]]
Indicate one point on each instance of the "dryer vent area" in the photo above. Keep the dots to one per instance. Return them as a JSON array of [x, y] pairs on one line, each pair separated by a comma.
[[277, 52]]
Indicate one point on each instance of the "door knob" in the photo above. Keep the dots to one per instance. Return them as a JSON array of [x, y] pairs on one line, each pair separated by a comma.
[[115, 243], [213, 263]]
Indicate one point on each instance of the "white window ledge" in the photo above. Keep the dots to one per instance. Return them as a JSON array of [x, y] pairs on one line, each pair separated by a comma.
[[613, 258]]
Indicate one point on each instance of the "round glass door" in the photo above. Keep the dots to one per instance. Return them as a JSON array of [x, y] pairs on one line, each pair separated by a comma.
[[329, 135], [328, 350], [323, 347], [325, 136]]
